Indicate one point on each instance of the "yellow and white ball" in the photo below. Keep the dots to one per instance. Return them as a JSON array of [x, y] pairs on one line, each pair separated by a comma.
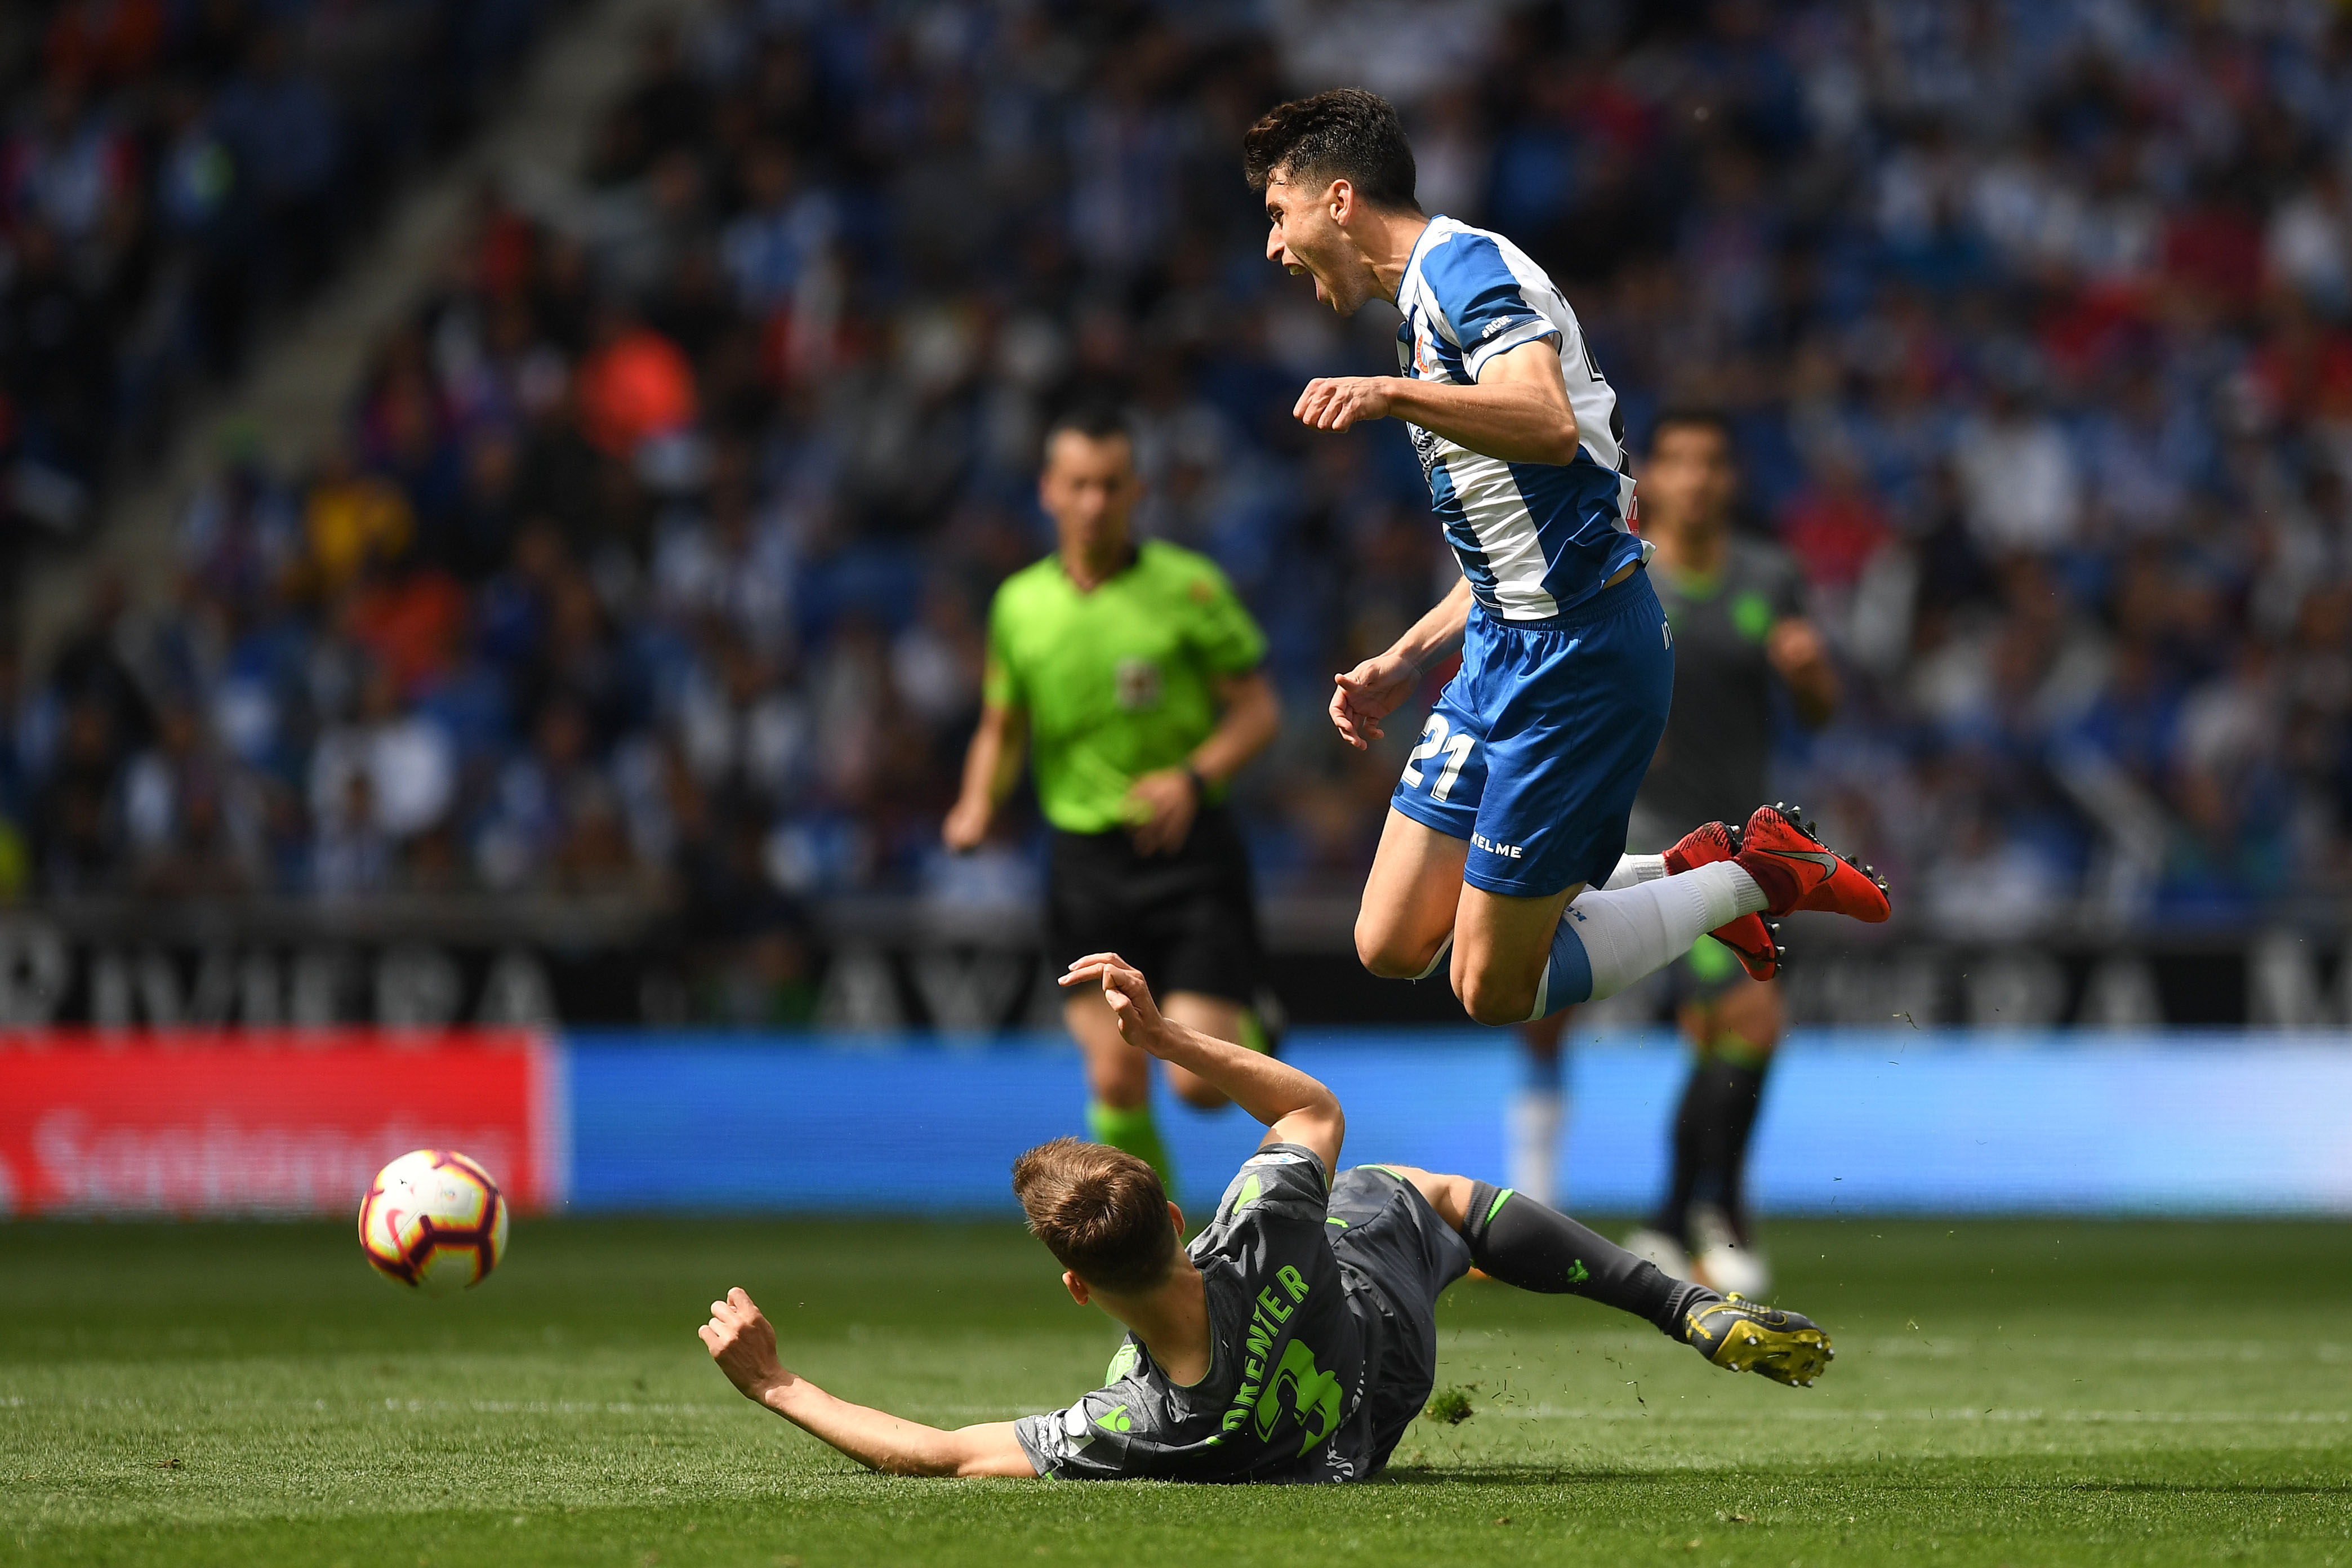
[[435, 1221]]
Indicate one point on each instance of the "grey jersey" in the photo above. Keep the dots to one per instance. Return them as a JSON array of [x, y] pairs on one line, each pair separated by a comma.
[[1284, 1396], [1718, 749]]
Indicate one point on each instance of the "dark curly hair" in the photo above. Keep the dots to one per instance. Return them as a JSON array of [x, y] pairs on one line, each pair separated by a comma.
[[1344, 134]]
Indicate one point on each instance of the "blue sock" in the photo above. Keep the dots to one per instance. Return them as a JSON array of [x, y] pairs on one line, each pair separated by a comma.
[[1568, 974]]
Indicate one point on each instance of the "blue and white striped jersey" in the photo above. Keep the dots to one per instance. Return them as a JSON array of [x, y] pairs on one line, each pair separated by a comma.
[[1534, 539]]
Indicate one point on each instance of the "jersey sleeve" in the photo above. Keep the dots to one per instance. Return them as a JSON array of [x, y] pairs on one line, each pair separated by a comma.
[[1224, 632], [1483, 301], [1092, 1440], [1000, 682], [1280, 1182]]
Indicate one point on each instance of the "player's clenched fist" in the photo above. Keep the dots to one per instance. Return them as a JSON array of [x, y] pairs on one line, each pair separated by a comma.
[[1336, 402], [1131, 1006], [743, 1342]]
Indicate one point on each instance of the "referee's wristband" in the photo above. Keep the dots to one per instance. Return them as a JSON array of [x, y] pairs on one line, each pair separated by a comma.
[[1200, 786]]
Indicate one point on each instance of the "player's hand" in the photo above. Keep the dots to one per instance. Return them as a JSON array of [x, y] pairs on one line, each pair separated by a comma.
[[743, 1342], [966, 825], [1336, 402], [1362, 697], [1795, 645], [1131, 1006], [1162, 806]]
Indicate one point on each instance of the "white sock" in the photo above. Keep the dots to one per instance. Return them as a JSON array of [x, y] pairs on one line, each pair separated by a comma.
[[1632, 869], [1536, 1116], [1632, 932], [1443, 949]]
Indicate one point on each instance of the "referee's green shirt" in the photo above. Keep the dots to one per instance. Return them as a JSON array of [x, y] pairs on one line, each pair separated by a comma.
[[1117, 682]]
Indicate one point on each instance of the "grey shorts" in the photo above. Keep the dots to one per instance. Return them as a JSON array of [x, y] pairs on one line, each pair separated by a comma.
[[1397, 1256]]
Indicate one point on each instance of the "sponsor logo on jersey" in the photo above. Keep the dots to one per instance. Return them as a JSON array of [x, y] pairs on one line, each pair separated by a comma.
[[1424, 447], [1138, 685]]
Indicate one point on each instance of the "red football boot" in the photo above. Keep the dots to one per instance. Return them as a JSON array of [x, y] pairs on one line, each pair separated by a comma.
[[1798, 871], [1703, 846], [1750, 940]]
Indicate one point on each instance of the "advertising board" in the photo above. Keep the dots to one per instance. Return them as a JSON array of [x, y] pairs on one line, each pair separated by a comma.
[[268, 1122]]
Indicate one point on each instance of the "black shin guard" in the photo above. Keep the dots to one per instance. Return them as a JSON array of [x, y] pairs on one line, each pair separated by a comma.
[[1520, 1242]]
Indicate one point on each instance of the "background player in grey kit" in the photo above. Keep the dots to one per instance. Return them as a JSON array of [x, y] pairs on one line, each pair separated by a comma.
[[1737, 605]]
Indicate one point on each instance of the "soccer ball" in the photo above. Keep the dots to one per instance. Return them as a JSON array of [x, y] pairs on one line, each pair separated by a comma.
[[435, 1221]]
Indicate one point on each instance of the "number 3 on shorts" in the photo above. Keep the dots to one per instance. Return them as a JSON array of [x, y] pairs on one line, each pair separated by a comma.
[[1436, 736]]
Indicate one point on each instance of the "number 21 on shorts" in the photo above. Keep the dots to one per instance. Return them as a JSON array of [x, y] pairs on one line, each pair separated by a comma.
[[1437, 736]]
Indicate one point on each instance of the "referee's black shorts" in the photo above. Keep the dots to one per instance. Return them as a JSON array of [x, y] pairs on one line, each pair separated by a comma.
[[1188, 920]]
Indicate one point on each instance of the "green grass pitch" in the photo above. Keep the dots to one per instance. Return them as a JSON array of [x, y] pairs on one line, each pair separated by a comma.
[[2026, 1392]]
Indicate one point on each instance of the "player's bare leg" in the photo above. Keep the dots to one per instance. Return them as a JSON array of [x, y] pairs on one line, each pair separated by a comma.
[[1211, 1015], [1535, 1246], [1415, 903], [1517, 958], [1751, 1013], [1501, 946], [1118, 1075], [1410, 898], [1118, 1084]]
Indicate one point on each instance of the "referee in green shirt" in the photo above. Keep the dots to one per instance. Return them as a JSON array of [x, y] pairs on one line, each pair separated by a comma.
[[1132, 673]]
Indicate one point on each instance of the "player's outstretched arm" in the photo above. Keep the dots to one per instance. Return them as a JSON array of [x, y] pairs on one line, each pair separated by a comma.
[[1518, 410], [743, 1342], [1362, 697], [1295, 1108]]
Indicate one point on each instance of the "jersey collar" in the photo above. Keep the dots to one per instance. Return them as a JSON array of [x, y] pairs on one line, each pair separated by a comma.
[[1134, 554], [1420, 248]]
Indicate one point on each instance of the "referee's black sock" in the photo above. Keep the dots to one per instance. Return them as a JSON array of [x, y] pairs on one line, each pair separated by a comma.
[[1522, 1243]]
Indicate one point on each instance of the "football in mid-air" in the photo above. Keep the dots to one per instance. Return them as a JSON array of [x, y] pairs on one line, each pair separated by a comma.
[[435, 1221]]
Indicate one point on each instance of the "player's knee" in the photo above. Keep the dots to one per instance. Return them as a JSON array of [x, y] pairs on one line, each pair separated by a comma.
[[1199, 1093], [1384, 952], [1495, 1001]]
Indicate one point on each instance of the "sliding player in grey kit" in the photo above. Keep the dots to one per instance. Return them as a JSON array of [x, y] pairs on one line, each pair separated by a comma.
[[1297, 1336]]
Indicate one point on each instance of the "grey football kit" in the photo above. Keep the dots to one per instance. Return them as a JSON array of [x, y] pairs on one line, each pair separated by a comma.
[[1712, 765], [1323, 1338], [1323, 1326]]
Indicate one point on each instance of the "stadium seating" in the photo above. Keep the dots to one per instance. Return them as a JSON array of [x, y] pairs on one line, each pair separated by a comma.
[[654, 556], [172, 174]]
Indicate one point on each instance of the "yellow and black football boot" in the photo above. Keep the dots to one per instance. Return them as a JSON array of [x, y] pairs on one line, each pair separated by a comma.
[[1739, 1335]]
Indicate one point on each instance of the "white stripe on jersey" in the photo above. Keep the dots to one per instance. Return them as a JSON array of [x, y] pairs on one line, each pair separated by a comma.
[[1446, 294], [1498, 513], [1590, 394]]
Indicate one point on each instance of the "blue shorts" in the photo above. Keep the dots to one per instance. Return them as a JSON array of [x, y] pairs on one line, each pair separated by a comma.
[[1536, 747]]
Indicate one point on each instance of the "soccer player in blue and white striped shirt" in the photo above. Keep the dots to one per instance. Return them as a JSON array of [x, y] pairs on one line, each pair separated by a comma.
[[1515, 801]]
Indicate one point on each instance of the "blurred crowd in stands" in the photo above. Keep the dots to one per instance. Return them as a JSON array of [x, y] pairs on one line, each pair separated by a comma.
[[655, 556], [172, 171]]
